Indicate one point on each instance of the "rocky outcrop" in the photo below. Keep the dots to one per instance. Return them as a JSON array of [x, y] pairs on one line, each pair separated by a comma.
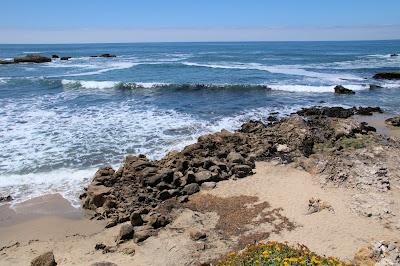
[[342, 90], [46, 259], [394, 121], [394, 55], [32, 59], [338, 112], [322, 140], [65, 58], [387, 75], [54, 56]]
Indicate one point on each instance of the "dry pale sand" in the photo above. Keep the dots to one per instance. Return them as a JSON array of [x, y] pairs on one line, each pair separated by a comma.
[[62, 229]]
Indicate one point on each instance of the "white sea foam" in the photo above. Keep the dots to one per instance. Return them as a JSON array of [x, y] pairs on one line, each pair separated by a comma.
[[315, 89], [37, 139], [68, 182], [91, 84], [280, 69]]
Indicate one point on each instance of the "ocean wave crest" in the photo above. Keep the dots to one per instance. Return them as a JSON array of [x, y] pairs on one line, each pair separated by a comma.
[[280, 69]]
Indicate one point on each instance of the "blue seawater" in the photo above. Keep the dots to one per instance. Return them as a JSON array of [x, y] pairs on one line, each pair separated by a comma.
[[60, 121]]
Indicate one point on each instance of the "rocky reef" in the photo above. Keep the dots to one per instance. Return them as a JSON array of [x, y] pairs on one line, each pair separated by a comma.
[[387, 75], [325, 141]]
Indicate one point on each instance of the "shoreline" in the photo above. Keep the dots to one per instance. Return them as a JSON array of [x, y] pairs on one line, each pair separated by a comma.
[[50, 222]]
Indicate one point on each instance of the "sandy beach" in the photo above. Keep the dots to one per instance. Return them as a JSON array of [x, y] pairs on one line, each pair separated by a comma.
[[271, 204]]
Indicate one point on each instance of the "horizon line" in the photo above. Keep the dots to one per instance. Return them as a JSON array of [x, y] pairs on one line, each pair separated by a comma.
[[183, 42]]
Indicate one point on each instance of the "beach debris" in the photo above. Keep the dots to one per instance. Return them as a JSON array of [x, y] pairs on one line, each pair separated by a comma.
[[394, 121], [339, 89], [46, 259], [317, 205]]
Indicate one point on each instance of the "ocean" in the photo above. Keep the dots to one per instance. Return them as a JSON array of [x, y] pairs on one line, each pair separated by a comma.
[[62, 120]]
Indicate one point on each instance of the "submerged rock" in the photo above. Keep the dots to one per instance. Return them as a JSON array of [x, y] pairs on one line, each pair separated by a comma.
[[54, 56], [65, 58], [374, 87], [342, 90]]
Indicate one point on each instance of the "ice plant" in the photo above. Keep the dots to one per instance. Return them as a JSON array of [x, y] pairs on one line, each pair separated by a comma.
[[278, 254]]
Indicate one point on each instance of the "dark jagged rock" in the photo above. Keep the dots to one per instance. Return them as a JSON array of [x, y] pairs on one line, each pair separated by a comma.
[[54, 56], [394, 121], [7, 198], [46, 259], [342, 90], [394, 55], [338, 112], [107, 55], [65, 58], [6, 62], [387, 75], [32, 59], [368, 110]]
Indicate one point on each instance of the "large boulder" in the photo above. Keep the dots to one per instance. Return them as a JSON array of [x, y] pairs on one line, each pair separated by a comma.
[[97, 195], [32, 59], [126, 232], [46, 259], [342, 90], [387, 75]]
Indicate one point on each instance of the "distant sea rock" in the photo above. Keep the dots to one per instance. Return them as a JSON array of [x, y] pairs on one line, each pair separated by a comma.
[[104, 55], [387, 75], [65, 58], [32, 59], [342, 90], [54, 56]]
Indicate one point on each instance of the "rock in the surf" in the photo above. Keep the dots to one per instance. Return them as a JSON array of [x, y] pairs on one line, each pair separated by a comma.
[[387, 75], [342, 90], [32, 59]]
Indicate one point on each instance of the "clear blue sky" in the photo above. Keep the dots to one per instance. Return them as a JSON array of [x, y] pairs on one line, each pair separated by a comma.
[[301, 19]]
